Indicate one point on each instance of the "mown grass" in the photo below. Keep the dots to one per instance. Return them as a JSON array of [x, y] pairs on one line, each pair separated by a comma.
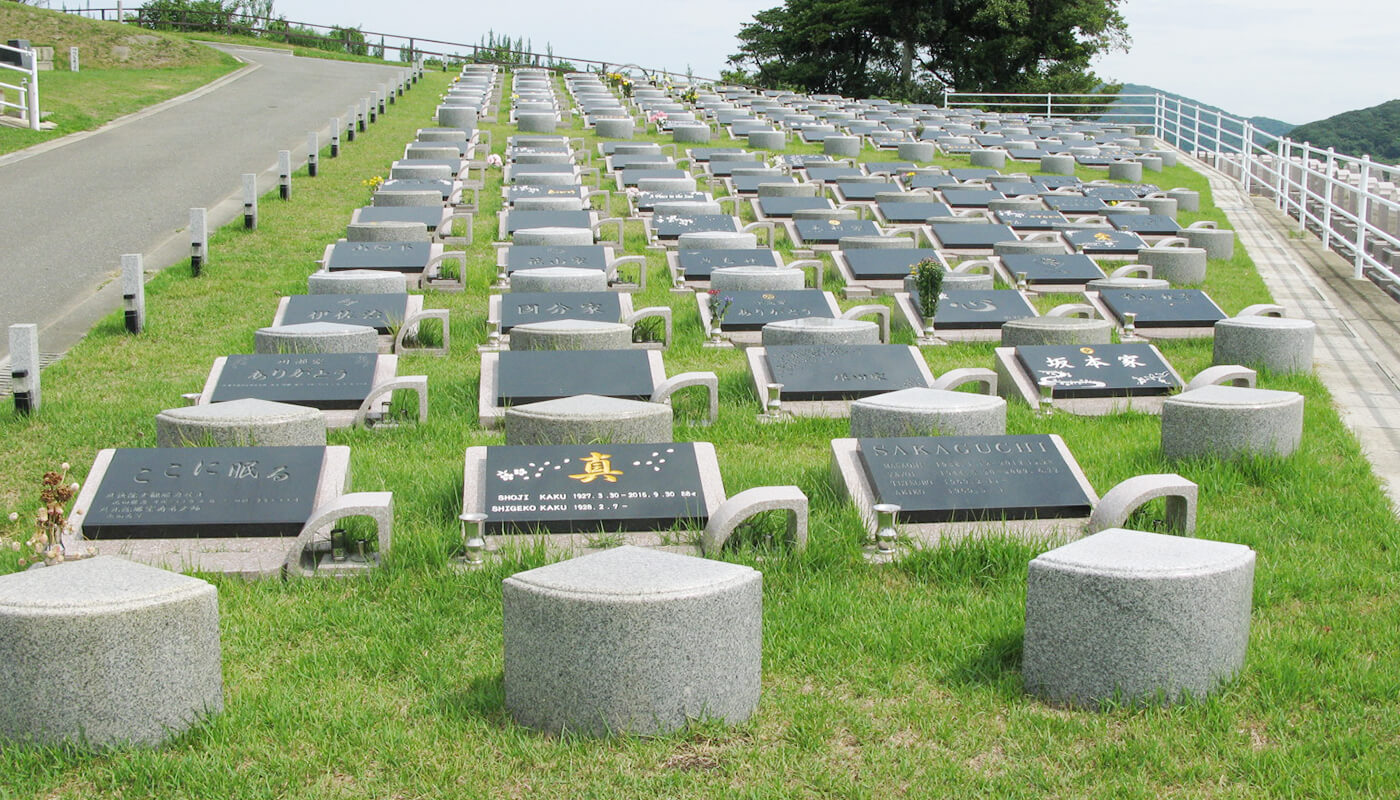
[[900, 681]]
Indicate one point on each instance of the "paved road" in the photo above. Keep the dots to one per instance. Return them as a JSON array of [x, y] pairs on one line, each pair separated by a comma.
[[70, 210]]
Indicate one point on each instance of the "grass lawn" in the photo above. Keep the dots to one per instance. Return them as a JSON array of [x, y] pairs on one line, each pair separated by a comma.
[[897, 681]]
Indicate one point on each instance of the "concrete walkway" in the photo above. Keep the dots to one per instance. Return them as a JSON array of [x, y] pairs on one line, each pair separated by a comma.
[[1357, 352], [72, 207]]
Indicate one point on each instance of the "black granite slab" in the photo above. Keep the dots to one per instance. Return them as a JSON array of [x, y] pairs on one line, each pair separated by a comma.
[[751, 310], [969, 198], [1033, 220], [409, 257], [328, 381], [965, 478], [1068, 268], [1110, 194], [208, 492], [865, 191], [913, 213], [1102, 370], [630, 177], [698, 264], [876, 265], [528, 376], [830, 174], [1071, 204], [974, 173], [581, 256], [587, 488], [522, 220], [821, 231], [519, 308], [430, 216], [782, 207], [972, 235], [1105, 241], [842, 372], [978, 309], [1164, 308], [380, 311], [925, 180], [1145, 224]]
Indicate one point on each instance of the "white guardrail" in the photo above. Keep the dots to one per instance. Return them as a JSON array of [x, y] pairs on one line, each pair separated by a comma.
[[1351, 204], [28, 88]]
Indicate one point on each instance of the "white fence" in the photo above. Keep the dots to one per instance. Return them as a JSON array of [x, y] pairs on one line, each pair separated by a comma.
[[27, 90], [1351, 204]]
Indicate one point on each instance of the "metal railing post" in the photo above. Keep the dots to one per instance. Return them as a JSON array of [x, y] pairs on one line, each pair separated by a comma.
[[1247, 146], [1363, 213], [1196, 132], [1327, 199]]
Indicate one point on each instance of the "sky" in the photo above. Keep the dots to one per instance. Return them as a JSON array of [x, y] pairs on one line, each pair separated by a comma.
[[1295, 60]]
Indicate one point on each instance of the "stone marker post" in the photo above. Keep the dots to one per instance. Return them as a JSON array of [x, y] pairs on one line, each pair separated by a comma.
[[134, 292], [335, 137], [250, 201], [373, 105], [73, 59], [350, 125], [379, 94], [313, 152], [389, 90], [24, 367], [284, 174], [199, 240], [364, 114]]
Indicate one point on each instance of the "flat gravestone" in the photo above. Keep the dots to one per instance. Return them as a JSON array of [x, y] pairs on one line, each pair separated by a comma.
[[328, 381], [428, 215], [1073, 204], [748, 184], [865, 191], [698, 264], [380, 311], [522, 220], [975, 173], [823, 231], [970, 198], [1067, 268], [630, 177], [842, 372], [209, 492], [1103, 242], [914, 213], [398, 256], [703, 154], [520, 308], [532, 190], [889, 167], [582, 256], [586, 488], [1033, 220], [925, 180], [1145, 224], [751, 310], [1018, 188], [972, 236], [1164, 308], [671, 226], [832, 174], [872, 265], [1111, 194], [974, 478], [1134, 369], [978, 309], [646, 200], [443, 188], [529, 376], [781, 207]]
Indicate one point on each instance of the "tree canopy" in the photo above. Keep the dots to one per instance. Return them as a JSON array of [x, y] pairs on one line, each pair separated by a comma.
[[913, 49]]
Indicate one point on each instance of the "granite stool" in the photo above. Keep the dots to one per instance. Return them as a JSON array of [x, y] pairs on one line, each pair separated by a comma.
[[1275, 343], [106, 652], [589, 419], [1229, 421], [248, 422], [316, 337], [558, 279], [756, 278], [632, 641], [1138, 618], [357, 281], [1218, 243], [821, 330], [1173, 261], [928, 412], [571, 334]]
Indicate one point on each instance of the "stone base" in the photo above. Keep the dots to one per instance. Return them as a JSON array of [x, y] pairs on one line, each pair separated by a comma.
[[588, 419], [1275, 343], [1230, 421]]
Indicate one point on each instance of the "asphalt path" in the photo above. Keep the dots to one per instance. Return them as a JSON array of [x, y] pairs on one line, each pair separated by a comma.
[[69, 209]]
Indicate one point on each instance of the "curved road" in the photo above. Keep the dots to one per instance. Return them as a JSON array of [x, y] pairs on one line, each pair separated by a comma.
[[69, 209]]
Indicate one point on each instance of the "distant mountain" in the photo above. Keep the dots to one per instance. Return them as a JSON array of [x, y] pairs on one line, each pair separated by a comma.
[[1374, 131], [1125, 113]]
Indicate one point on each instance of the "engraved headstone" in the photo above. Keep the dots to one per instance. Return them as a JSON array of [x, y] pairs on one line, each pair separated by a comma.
[[782, 207], [1164, 308], [529, 376], [520, 308], [978, 309], [964, 236], [1101, 370], [671, 226], [913, 213], [1072, 268], [398, 256], [430, 216], [523, 256], [751, 310], [1074, 204], [698, 264], [962, 478], [873, 265], [521, 220], [1104, 242], [1032, 220], [593, 488], [161, 493], [380, 311], [326, 381], [842, 372], [1145, 224], [822, 231]]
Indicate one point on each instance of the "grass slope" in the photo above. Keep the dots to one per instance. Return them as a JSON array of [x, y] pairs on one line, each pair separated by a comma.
[[900, 681]]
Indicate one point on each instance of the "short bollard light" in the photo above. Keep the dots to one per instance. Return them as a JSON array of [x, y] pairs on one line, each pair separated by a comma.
[[885, 532], [473, 537]]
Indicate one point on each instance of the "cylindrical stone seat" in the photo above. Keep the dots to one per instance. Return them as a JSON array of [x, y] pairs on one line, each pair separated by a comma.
[[547, 203], [248, 422], [1278, 344], [620, 128], [717, 240], [1028, 247], [1130, 171], [316, 337], [996, 159], [928, 412], [552, 237], [1163, 206], [767, 140], [589, 419], [1150, 163], [1175, 265], [106, 652], [876, 243], [571, 334], [1057, 165], [821, 330], [1186, 199], [536, 121], [1099, 284], [1134, 617], [737, 279], [916, 151], [1167, 157], [1218, 243], [387, 231], [841, 146], [1229, 421], [691, 134], [558, 279], [414, 197], [1028, 331], [632, 641], [357, 281]]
